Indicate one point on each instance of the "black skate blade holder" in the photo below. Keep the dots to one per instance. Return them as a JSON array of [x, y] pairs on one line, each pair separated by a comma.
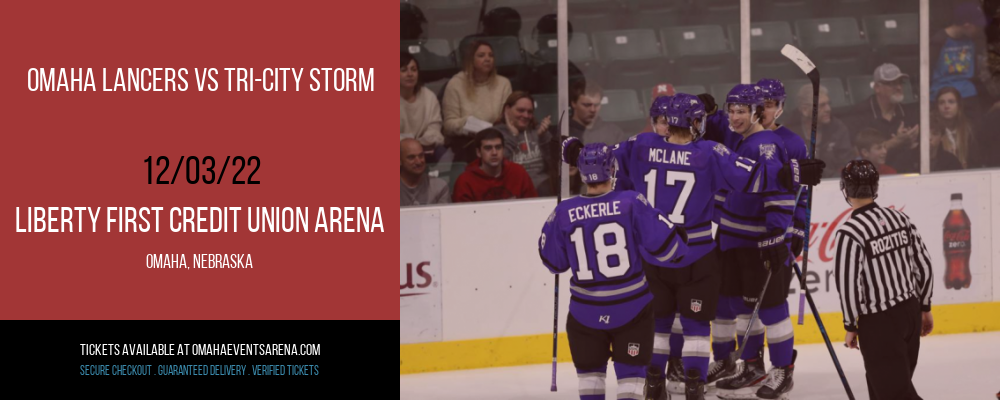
[[756, 309]]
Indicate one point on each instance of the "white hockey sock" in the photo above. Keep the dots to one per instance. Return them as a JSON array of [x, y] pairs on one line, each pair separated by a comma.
[[592, 383], [631, 388]]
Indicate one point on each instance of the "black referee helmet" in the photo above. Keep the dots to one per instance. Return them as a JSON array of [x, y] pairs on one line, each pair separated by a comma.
[[859, 180]]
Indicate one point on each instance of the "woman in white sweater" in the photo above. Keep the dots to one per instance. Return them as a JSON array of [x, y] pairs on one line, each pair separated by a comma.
[[474, 97], [419, 112]]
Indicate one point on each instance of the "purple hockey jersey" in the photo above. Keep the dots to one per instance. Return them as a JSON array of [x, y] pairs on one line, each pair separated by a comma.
[[757, 220], [796, 149], [717, 129], [681, 180], [601, 238]]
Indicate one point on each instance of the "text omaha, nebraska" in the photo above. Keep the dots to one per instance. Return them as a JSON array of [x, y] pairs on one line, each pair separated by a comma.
[[199, 261]]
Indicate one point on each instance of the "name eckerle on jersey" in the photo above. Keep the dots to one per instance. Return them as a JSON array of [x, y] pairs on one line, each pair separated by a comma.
[[593, 211]]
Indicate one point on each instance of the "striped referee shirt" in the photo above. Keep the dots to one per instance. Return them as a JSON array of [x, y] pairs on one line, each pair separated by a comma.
[[881, 261]]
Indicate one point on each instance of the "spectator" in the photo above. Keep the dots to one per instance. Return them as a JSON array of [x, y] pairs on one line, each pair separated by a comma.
[[884, 112], [502, 21], [491, 177], [661, 89], [585, 101], [527, 143], [833, 138], [870, 144], [958, 55], [546, 29], [948, 120], [544, 76], [421, 114], [412, 29], [411, 22], [415, 187], [473, 96], [498, 22], [941, 159]]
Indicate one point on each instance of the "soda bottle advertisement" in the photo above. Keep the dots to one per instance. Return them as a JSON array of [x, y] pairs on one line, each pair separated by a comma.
[[957, 246]]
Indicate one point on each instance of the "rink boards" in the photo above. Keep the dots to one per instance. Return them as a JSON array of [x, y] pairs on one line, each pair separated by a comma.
[[474, 294]]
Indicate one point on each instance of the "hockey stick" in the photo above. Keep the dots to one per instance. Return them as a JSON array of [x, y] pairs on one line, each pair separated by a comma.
[[826, 338], [555, 306], [760, 299], [555, 332], [807, 66]]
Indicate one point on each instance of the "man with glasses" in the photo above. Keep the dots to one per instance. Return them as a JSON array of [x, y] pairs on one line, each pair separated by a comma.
[[491, 176], [884, 111]]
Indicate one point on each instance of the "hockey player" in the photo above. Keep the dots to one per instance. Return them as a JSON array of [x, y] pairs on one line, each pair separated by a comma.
[[670, 355], [604, 237], [658, 115], [727, 324], [773, 93], [724, 327], [659, 90], [750, 246], [691, 171]]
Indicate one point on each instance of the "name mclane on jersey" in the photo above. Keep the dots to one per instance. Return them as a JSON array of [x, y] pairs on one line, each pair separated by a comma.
[[593, 211], [675, 156], [889, 242]]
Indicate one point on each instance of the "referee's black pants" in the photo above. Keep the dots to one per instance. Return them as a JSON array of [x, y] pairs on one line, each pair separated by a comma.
[[890, 342]]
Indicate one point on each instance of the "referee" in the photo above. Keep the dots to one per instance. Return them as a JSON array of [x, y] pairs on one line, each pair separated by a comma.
[[885, 282]]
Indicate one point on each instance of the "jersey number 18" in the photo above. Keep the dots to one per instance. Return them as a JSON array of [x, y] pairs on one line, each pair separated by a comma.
[[604, 251]]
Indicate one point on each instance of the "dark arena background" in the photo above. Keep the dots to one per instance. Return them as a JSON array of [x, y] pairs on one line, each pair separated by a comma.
[[491, 90]]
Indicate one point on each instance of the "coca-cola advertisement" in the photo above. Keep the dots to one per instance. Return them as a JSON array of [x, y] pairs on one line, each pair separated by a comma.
[[957, 237], [419, 277], [961, 270]]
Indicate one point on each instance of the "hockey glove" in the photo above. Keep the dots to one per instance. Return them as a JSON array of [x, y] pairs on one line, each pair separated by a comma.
[[709, 102], [811, 171], [571, 147], [775, 255], [801, 172]]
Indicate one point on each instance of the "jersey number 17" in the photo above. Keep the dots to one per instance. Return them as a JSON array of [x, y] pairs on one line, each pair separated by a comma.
[[677, 215]]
